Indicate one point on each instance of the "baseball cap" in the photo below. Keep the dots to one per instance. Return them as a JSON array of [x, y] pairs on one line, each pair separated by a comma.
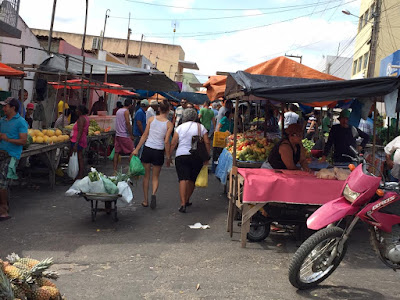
[[30, 106], [153, 102], [12, 102], [345, 113], [144, 102]]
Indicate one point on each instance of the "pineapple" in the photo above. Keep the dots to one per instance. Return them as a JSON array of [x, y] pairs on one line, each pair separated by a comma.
[[28, 262], [40, 293], [43, 265], [54, 293], [44, 282], [13, 272], [19, 291]]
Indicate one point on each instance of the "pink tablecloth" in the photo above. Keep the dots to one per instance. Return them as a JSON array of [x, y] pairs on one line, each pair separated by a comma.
[[264, 185]]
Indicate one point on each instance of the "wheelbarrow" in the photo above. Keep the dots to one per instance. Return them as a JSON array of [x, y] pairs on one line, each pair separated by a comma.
[[110, 203]]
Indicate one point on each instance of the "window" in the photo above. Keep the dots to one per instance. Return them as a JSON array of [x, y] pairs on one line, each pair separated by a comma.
[[372, 11], [359, 64], [360, 23], [365, 60], [366, 17], [354, 67]]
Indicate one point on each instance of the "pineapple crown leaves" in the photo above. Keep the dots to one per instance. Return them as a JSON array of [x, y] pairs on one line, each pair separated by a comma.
[[50, 274], [13, 257], [43, 265], [6, 292]]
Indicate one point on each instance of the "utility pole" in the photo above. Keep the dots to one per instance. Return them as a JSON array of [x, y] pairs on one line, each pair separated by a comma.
[[83, 48], [51, 26], [127, 40], [140, 47], [104, 30], [374, 40], [296, 56]]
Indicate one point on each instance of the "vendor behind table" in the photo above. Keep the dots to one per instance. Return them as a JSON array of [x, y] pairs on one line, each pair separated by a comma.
[[289, 151], [341, 137]]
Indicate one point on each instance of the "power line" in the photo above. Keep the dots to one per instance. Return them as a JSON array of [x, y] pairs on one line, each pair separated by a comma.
[[196, 34], [222, 9]]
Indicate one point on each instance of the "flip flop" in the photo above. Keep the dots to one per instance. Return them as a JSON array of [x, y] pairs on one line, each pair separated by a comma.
[[153, 202], [145, 204], [5, 218]]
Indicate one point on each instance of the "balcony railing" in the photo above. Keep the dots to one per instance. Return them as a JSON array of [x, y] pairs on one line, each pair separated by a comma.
[[9, 18]]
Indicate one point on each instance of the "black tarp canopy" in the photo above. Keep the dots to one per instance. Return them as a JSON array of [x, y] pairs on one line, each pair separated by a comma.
[[127, 76], [290, 89]]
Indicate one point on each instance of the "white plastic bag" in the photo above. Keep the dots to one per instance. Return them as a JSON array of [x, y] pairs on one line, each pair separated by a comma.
[[82, 185], [125, 191], [96, 186], [73, 166]]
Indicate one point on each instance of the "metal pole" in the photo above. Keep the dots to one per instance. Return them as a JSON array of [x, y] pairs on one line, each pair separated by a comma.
[[104, 30], [127, 40], [21, 91], [140, 47], [51, 26], [83, 48], [374, 136]]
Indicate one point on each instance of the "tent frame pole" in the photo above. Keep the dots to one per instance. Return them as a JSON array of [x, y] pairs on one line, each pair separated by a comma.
[[374, 133]]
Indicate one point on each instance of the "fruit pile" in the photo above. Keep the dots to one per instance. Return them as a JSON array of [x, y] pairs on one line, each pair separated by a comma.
[[259, 120], [47, 136], [94, 128], [26, 278], [308, 144], [251, 146]]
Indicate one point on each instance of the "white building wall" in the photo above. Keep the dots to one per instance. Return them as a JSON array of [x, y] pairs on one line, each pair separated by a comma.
[[11, 54]]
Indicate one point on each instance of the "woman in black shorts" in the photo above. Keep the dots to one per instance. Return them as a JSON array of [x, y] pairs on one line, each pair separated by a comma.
[[187, 166], [156, 141]]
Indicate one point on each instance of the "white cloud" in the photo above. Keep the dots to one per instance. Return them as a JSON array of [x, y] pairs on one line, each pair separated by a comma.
[[181, 3]]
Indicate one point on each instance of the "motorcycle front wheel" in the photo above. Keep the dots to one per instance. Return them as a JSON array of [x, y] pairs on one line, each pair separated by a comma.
[[308, 266]]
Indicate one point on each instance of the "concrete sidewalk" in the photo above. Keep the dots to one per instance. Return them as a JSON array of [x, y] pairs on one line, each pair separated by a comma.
[[153, 254]]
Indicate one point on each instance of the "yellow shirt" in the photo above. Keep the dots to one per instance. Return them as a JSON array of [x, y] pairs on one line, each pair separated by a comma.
[[60, 109]]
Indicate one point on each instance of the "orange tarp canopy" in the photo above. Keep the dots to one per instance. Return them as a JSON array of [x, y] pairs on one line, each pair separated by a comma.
[[74, 84], [280, 66], [8, 71]]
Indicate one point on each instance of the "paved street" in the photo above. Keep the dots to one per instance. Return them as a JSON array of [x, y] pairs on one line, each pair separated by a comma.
[[155, 255]]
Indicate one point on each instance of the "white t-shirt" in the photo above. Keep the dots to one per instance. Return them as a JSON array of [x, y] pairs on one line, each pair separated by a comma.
[[178, 115], [394, 146], [186, 131], [150, 112], [290, 118]]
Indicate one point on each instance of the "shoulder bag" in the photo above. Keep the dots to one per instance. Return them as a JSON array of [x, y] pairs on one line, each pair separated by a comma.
[[198, 148]]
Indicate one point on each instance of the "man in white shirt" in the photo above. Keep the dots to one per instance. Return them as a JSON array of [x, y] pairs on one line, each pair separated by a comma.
[[152, 110], [290, 117], [179, 112]]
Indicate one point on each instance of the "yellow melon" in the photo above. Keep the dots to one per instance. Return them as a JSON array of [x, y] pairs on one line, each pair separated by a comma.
[[46, 139], [33, 139], [66, 137], [40, 134], [58, 132], [60, 139], [39, 140], [50, 132], [54, 139], [30, 132], [36, 132], [44, 131]]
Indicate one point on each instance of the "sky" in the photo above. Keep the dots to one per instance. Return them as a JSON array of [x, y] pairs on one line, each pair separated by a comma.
[[224, 35]]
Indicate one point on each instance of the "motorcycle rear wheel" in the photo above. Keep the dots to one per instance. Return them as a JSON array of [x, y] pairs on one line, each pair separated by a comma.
[[312, 253]]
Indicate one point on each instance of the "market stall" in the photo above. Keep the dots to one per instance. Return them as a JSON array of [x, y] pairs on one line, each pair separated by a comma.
[[288, 89]]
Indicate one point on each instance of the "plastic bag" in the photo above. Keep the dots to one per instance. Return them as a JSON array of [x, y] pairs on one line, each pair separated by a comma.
[[73, 166], [109, 186], [125, 191], [111, 156], [202, 178], [135, 167], [82, 185], [96, 187]]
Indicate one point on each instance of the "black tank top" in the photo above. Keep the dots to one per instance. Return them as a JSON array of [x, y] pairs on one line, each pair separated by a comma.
[[275, 159]]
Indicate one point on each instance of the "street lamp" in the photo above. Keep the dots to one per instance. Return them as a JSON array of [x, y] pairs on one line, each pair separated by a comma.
[[104, 30]]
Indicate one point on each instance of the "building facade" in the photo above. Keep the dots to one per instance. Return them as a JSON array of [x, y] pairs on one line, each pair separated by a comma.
[[169, 59], [384, 15], [336, 66]]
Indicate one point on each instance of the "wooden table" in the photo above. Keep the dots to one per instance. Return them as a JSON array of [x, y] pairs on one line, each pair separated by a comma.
[[50, 155]]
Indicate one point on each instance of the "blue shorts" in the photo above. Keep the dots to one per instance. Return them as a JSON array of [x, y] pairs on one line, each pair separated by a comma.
[[79, 146]]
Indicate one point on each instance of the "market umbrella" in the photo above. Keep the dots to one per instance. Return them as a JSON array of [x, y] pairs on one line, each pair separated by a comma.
[[8, 71]]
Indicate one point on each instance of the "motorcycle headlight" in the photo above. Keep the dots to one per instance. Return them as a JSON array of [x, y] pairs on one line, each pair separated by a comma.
[[350, 195]]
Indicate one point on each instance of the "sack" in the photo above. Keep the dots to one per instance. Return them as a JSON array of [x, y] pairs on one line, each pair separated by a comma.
[[220, 139], [135, 167], [111, 156], [202, 178], [125, 191], [198, 149], [73, 166]]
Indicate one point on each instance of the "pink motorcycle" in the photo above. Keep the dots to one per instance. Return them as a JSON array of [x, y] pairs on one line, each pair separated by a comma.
[[364, 198]]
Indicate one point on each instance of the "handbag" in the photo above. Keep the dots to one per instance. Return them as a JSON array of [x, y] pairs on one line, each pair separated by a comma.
[[198, 148]]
